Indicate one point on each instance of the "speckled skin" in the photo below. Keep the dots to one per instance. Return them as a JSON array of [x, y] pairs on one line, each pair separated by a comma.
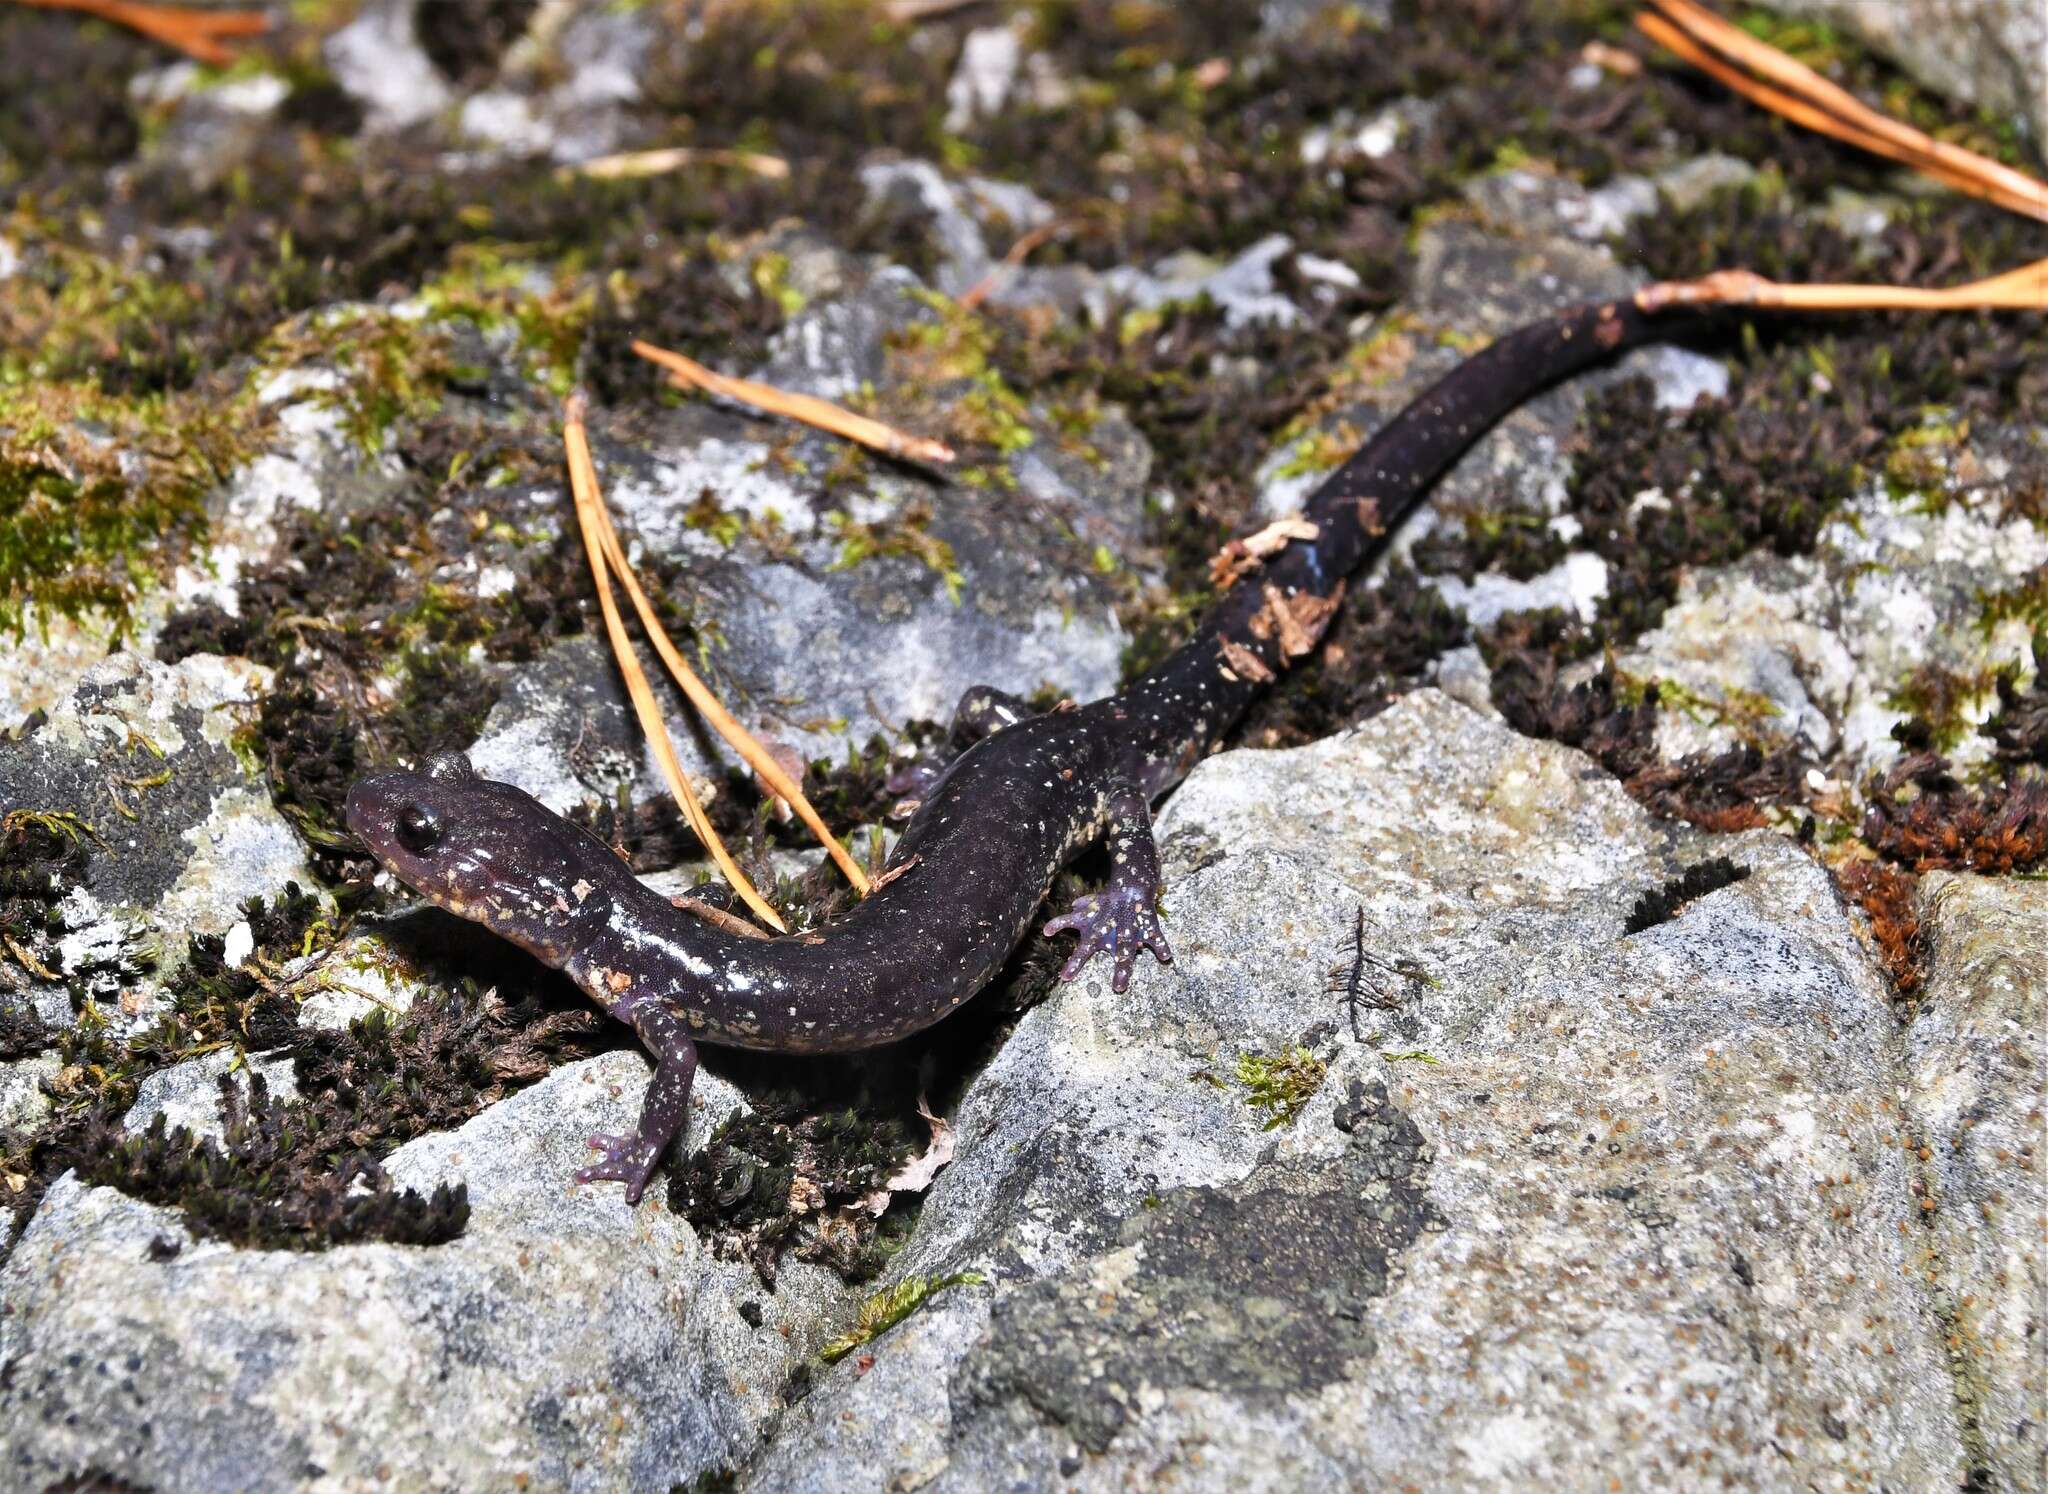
[[982, 850]]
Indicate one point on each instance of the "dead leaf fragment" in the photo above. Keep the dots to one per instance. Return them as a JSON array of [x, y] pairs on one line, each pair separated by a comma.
[[1299, 620], [1240, 557], [1244, 664], [916, 1175]]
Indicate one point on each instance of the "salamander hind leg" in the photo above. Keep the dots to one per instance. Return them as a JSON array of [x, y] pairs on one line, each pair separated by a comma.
[[631, 1159], [1123, 918], [982, 712]]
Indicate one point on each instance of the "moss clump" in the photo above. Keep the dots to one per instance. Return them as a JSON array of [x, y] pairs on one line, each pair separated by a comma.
[[391, 368], [1943, 704], [886, 1309], [2024, 602], [1280, 1087], [1614, 721], [98, 496], [42, 857], [792, 1180], [207, 1006], [1886, 896], [906, 534], [69, 112], [23, 1034], [465, 38], [1515, 542], [290, 1175], [229, 1189], [1695, 882], [1922, 817], [2018, 731], [293, 1175]]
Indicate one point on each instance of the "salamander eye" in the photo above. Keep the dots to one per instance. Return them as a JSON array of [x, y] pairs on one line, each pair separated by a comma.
[[418, 831]]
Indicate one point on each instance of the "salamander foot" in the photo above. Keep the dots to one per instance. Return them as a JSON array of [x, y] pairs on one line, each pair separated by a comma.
[[627, 1159], [1118, 921]]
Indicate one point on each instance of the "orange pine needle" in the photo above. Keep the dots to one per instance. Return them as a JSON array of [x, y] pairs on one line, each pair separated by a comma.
[[1020, 251], [2024, 289], [589, 518], [759, 758], [687, 373], [1799, 94], [195, 32], [634, 163]]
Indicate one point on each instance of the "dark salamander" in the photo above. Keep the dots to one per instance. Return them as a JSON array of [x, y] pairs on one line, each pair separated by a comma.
[[982, 850]]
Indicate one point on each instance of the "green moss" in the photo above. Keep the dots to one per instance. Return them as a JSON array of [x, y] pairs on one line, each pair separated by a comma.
[[944, 375], [99, 496], [393, 368], [546, 315], [1517, 542], [43, 856], [1745, 711], [796, 1176], [1280, 1087], [906, 534], [1319, 451], [886, 1309], [2024, 601], [1946, 704]]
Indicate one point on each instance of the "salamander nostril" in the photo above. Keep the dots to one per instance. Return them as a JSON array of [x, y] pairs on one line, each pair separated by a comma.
[[418, 831]]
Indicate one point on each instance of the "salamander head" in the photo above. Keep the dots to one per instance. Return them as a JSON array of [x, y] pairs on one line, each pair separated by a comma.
[[489, 852]]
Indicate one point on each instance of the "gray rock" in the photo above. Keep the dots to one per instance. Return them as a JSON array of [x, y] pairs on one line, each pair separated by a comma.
[[187, 1095], [378, 59], [563, 1338], [1690, 183], [1579, 1207], [817, 643], [560, 91], [1979, 1087], [23, 1104], [562, 728], [990, 57], [1244, 287], [184, 832], [1988, 52], [208, 130], [962, 216], [1813, 651], [1542, 202]]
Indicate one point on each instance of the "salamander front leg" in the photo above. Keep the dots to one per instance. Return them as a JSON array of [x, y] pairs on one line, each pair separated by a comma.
[[1122, 918], [631, 1159]]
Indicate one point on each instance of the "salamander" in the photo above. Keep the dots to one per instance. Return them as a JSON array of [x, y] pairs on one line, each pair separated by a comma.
[[982, 849]]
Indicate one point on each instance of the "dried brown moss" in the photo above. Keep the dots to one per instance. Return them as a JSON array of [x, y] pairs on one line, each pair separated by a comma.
[[1923, 818], [1886, 896]]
